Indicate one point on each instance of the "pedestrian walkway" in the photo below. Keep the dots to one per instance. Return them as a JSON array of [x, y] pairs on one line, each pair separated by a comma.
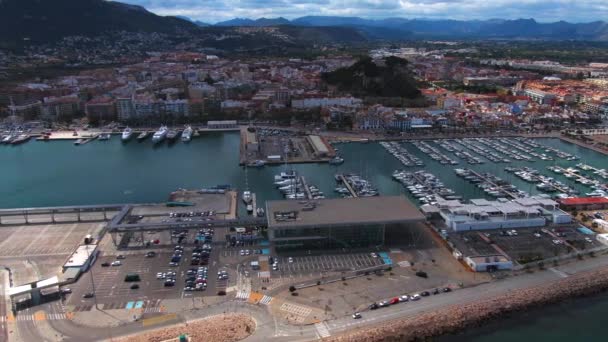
[[243, 295], [322, 330], [266, 300]]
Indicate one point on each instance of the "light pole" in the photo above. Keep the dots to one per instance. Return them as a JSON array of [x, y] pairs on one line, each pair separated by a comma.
[[91, 274]]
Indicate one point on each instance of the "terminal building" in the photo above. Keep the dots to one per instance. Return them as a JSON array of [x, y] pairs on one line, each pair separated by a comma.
[[338, 223], [535, 211]]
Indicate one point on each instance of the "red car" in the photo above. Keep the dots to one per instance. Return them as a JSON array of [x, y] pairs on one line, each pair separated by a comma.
[[394, 301]]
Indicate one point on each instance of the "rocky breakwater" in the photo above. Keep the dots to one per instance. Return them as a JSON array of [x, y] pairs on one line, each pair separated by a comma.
[[451, 319], [220, 328]]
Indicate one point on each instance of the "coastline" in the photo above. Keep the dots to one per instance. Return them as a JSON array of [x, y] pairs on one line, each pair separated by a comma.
[[455, 318]]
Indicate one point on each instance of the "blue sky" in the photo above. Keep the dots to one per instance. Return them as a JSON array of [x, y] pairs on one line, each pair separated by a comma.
[[542, 10]]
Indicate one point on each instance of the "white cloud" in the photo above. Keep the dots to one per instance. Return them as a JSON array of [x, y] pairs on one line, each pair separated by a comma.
[[542, 10]]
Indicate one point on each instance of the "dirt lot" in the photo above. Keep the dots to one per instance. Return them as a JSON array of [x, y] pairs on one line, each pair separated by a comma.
[[221, 328]]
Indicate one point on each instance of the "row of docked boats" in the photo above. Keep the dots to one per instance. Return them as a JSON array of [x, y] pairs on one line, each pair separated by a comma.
[[433, 153], [14, 138], [599, 172], [424, 186], [490, 184], [163, 133], [547, 149], [360, 186], [543, 183], [402, 154], [458, 151]]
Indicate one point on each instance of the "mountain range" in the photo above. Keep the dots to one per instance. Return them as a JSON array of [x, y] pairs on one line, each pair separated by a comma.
[[43, 21], [492, 28]]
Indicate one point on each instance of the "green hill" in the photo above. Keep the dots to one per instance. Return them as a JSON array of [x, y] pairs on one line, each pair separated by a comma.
[[368, 79]]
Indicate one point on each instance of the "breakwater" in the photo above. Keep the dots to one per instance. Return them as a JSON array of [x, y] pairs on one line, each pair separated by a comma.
[[455, 318]]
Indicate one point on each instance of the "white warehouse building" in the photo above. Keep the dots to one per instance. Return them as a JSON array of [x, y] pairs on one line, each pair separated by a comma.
[[482, 214]]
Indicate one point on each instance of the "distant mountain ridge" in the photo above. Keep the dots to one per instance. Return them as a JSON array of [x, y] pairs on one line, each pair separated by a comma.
[[492, 28], [40, 21]]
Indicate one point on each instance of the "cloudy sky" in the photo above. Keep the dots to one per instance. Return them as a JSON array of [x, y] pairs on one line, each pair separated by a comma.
[[543, 10]]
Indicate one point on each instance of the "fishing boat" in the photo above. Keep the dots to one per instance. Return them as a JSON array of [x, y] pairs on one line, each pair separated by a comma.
[[22, 138], [337, 160], [187, 134], [143, 135], [172, 135], [247, 197], [160, 135], [260, 212], [104, 136], [127, 134], [257, 163]]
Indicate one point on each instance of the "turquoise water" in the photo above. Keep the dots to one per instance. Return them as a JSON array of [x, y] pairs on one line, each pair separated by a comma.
[[59, 173], [575, 320]]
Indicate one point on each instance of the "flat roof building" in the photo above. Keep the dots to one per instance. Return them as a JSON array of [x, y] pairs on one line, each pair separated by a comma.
[[338, 223], [81, 258], [534, 211]]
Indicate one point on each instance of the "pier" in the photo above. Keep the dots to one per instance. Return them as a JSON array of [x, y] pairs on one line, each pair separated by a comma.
[[498, 187], [305, 186], [350, 189]]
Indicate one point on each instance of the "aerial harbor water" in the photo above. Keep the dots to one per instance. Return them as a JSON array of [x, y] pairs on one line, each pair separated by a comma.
[[59, 173]]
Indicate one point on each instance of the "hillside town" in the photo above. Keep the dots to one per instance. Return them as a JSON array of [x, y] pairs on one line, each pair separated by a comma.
[[195, 87]]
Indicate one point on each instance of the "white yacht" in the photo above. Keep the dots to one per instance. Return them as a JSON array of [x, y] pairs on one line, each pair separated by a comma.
[[247, 197], [127, 134], [160, 135], [187, 134]]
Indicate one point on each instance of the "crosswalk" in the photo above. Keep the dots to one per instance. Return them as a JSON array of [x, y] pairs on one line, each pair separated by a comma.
[[322, 330], [153, 309], [265, 300], [243, 295], [37, 317]]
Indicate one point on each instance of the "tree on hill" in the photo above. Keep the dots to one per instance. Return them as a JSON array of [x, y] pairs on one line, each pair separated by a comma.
[[366, 78]]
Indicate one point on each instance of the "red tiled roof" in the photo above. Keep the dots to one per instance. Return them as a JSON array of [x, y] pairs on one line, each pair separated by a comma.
[[584, 200]]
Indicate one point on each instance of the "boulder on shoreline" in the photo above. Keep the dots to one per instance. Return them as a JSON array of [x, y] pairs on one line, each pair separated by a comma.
[[220, 328]]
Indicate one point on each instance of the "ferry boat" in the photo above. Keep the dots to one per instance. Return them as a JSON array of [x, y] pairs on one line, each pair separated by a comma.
[[127, 134], [104, 136], [247, 197], [160, 135], [187, 134], [143, 135]]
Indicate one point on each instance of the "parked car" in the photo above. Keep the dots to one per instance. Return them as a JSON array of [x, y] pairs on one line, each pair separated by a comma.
[[150, 254], [88, 295], [356, 315], [447, 289], [66, 291], [404, 298], [374, 306], [394, 301], [415, 297], [134, 287], [116, 263], [120, 257], [105, 264], [425, 293]]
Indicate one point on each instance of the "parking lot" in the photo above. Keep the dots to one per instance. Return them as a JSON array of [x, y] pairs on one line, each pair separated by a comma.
[[525, 244], [111, 287], [325, 263]]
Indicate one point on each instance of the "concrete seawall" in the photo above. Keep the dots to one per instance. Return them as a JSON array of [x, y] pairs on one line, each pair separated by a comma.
[[452, 319]]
